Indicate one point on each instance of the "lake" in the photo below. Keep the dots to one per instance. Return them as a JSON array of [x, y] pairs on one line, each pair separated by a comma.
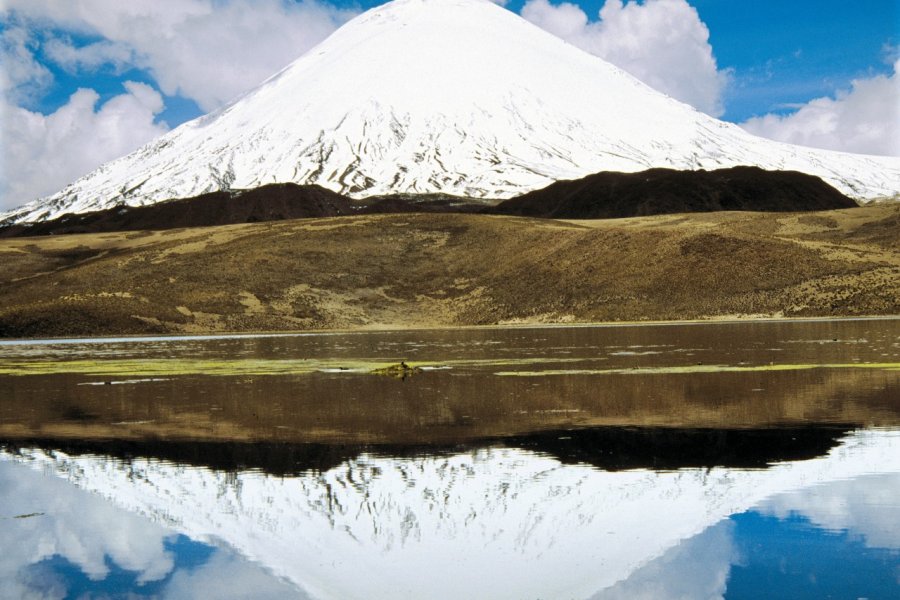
[[697, 460]]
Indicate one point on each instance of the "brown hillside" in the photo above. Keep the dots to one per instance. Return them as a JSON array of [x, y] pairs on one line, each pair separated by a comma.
[[451, 269]]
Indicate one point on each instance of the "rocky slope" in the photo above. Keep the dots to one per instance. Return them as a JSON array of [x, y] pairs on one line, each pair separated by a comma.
[[666, 191], [598, 196]]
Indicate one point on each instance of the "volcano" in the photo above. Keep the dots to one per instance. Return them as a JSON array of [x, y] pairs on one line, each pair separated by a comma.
[[458, 97]]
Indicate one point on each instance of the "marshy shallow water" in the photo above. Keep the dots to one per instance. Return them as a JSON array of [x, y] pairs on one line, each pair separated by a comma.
[[739, 460]]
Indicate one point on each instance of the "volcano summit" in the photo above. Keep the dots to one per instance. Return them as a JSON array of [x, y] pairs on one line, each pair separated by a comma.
[[459, 97]]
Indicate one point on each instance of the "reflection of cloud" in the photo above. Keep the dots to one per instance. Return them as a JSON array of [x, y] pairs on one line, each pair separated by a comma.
[[866, 506], [697, 568], [227, 577], [58, 519], [39, 582], [80, 527]]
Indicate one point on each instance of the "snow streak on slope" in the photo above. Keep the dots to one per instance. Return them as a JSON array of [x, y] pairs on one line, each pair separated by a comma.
[[494, 523], [455, 96]]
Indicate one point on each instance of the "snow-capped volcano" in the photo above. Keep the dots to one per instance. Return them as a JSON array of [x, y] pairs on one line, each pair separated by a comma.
[[455, 96]]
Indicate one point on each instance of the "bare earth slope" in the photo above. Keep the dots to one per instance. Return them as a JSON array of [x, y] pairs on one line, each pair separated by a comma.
[[452, 269]]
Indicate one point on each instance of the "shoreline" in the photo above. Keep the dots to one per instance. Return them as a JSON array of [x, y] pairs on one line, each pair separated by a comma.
[[177, 336]]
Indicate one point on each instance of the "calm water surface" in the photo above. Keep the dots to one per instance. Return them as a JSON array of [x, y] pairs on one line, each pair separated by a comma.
[[743, 460]]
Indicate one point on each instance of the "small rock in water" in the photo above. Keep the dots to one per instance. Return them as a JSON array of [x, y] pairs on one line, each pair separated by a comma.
[[400, 371]]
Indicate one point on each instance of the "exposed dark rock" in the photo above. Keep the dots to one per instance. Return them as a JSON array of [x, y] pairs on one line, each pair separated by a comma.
[[610, 195], [273, 202], [600, 196], [421, 203]]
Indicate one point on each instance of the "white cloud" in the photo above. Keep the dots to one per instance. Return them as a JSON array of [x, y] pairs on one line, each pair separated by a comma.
[[207, 50], [661, 42], [73, 59], [864, 119], [22, 77], [43, 153]]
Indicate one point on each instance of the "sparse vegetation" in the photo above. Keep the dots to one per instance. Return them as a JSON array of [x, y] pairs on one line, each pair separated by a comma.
[[419, 270]]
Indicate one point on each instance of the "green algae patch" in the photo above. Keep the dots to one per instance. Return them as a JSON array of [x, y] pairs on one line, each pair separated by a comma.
[[674, 370], [262, 367], [242, 367], [153, 367]]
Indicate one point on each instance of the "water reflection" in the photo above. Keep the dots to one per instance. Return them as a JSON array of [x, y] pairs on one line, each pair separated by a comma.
[[60, 541], [846, 373], [608, 448], [695, 461], [488, 522]]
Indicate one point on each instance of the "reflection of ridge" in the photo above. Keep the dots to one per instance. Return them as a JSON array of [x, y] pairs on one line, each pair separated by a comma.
[[666, 448], [269, 457], [607, 448]]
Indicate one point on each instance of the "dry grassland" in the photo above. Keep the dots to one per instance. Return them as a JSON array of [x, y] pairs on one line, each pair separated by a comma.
[[426, 270]]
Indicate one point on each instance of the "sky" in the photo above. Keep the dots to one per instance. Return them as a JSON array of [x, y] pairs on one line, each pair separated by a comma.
[[85, 81]]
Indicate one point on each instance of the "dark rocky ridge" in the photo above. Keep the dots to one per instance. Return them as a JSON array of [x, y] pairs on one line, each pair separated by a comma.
[[273, 202], [610, 195], [601, 196]]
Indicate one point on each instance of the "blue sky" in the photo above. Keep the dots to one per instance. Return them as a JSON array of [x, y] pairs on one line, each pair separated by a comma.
[[789, 52], [815, 72]]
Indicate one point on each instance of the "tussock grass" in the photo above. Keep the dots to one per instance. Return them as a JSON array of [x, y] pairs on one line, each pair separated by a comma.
[[415, 270]]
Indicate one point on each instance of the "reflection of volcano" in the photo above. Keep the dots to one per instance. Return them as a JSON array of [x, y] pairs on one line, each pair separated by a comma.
[[609, 448], [493, 522]]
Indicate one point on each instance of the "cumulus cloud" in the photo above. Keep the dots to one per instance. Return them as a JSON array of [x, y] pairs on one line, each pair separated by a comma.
[[22, 77], [864, 119], [206, 50], [43, 153], [661, 42], [72, 58]]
